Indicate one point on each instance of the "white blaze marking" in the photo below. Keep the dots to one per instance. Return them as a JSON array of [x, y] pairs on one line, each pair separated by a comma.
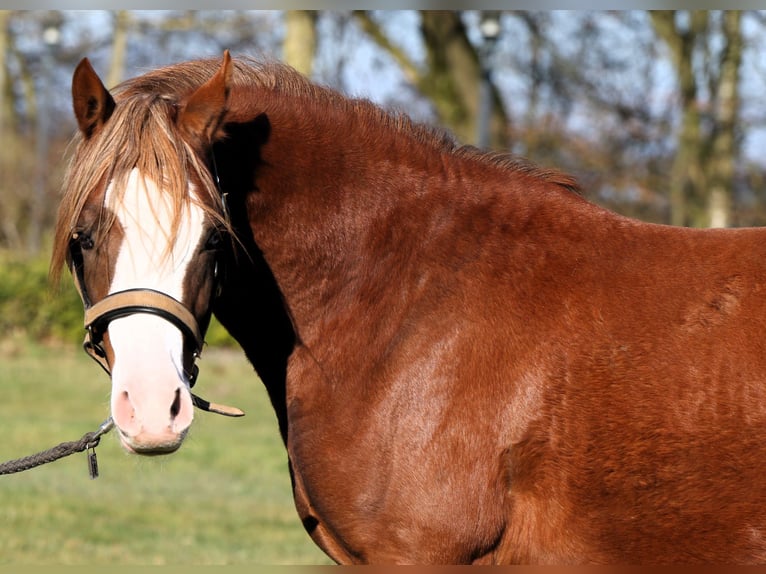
[[148, 349]]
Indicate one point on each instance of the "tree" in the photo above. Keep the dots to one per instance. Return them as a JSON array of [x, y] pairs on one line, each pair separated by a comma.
[[9, 212], [725, 142], [702, 176], [20, 207], [568, 90], [122, 23], [299, 46], [452, 75]]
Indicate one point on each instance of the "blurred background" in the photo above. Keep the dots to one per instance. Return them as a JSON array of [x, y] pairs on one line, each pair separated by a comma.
[[658, 113]]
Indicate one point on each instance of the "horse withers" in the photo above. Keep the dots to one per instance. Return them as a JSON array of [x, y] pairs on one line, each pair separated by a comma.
[[468, 361]]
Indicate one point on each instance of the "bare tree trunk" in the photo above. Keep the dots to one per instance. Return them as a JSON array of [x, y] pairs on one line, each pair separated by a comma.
[[531, 119], [6, 102], [9, 204], [18, 162], [122, 22], [454, 74], [724, 144], [299, 47], [687, 173], [702, 175]]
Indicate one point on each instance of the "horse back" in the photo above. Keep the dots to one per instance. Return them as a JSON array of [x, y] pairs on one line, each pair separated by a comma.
[[645, 442]]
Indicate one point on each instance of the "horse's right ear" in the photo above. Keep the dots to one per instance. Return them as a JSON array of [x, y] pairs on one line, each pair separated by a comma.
[[92, 102], [202, 114]]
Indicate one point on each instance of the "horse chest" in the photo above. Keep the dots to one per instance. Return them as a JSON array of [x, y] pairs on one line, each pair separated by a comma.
[[386, 481]]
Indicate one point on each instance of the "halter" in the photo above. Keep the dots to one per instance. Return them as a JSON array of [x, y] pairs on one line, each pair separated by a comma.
[[131, 301]]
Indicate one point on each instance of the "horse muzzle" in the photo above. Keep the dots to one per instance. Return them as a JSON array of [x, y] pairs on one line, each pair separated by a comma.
[[156, 426], [153, 428]]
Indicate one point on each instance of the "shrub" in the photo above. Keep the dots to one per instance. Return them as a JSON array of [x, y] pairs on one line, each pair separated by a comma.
[[29, 304]]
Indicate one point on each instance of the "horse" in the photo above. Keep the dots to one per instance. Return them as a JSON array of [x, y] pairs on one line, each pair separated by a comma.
[[469, 362]]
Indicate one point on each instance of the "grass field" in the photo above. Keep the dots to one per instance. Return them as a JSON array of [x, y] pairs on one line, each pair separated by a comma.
[[223, 498]]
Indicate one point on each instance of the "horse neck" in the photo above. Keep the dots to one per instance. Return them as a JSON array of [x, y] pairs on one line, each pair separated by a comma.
[[353, 220], [340, 198]]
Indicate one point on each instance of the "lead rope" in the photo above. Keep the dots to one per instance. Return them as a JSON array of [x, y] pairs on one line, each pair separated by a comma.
[[88, 442]]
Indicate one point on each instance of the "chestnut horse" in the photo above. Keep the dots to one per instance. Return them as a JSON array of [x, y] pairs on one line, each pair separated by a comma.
[[468, 361]]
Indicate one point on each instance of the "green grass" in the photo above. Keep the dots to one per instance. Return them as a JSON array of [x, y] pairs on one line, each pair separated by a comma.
[[223, 498]]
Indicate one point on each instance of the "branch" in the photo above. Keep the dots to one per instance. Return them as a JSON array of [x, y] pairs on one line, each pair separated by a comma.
[[372, 29]]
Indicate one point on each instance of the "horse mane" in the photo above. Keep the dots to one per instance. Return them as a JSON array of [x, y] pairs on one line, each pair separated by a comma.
[[284, 80], [141, 134]]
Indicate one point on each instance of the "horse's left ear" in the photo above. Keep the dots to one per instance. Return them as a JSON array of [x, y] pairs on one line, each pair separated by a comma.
[[202, 114], [92, 102]]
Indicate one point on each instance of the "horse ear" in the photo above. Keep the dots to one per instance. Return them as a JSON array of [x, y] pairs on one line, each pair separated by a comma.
[[202, 114], [92, 102]]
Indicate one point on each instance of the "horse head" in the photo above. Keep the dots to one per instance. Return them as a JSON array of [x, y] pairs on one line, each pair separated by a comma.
[[140, 226]]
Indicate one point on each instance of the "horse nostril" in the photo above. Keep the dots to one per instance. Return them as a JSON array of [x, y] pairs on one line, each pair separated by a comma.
[[128, 405], [175, 408]]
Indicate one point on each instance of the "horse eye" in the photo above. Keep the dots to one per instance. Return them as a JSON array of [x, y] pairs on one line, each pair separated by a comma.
[[82, 239], [213, 240]]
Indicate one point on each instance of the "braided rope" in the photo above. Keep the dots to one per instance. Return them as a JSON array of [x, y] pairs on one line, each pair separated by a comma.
[[89, 440]]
